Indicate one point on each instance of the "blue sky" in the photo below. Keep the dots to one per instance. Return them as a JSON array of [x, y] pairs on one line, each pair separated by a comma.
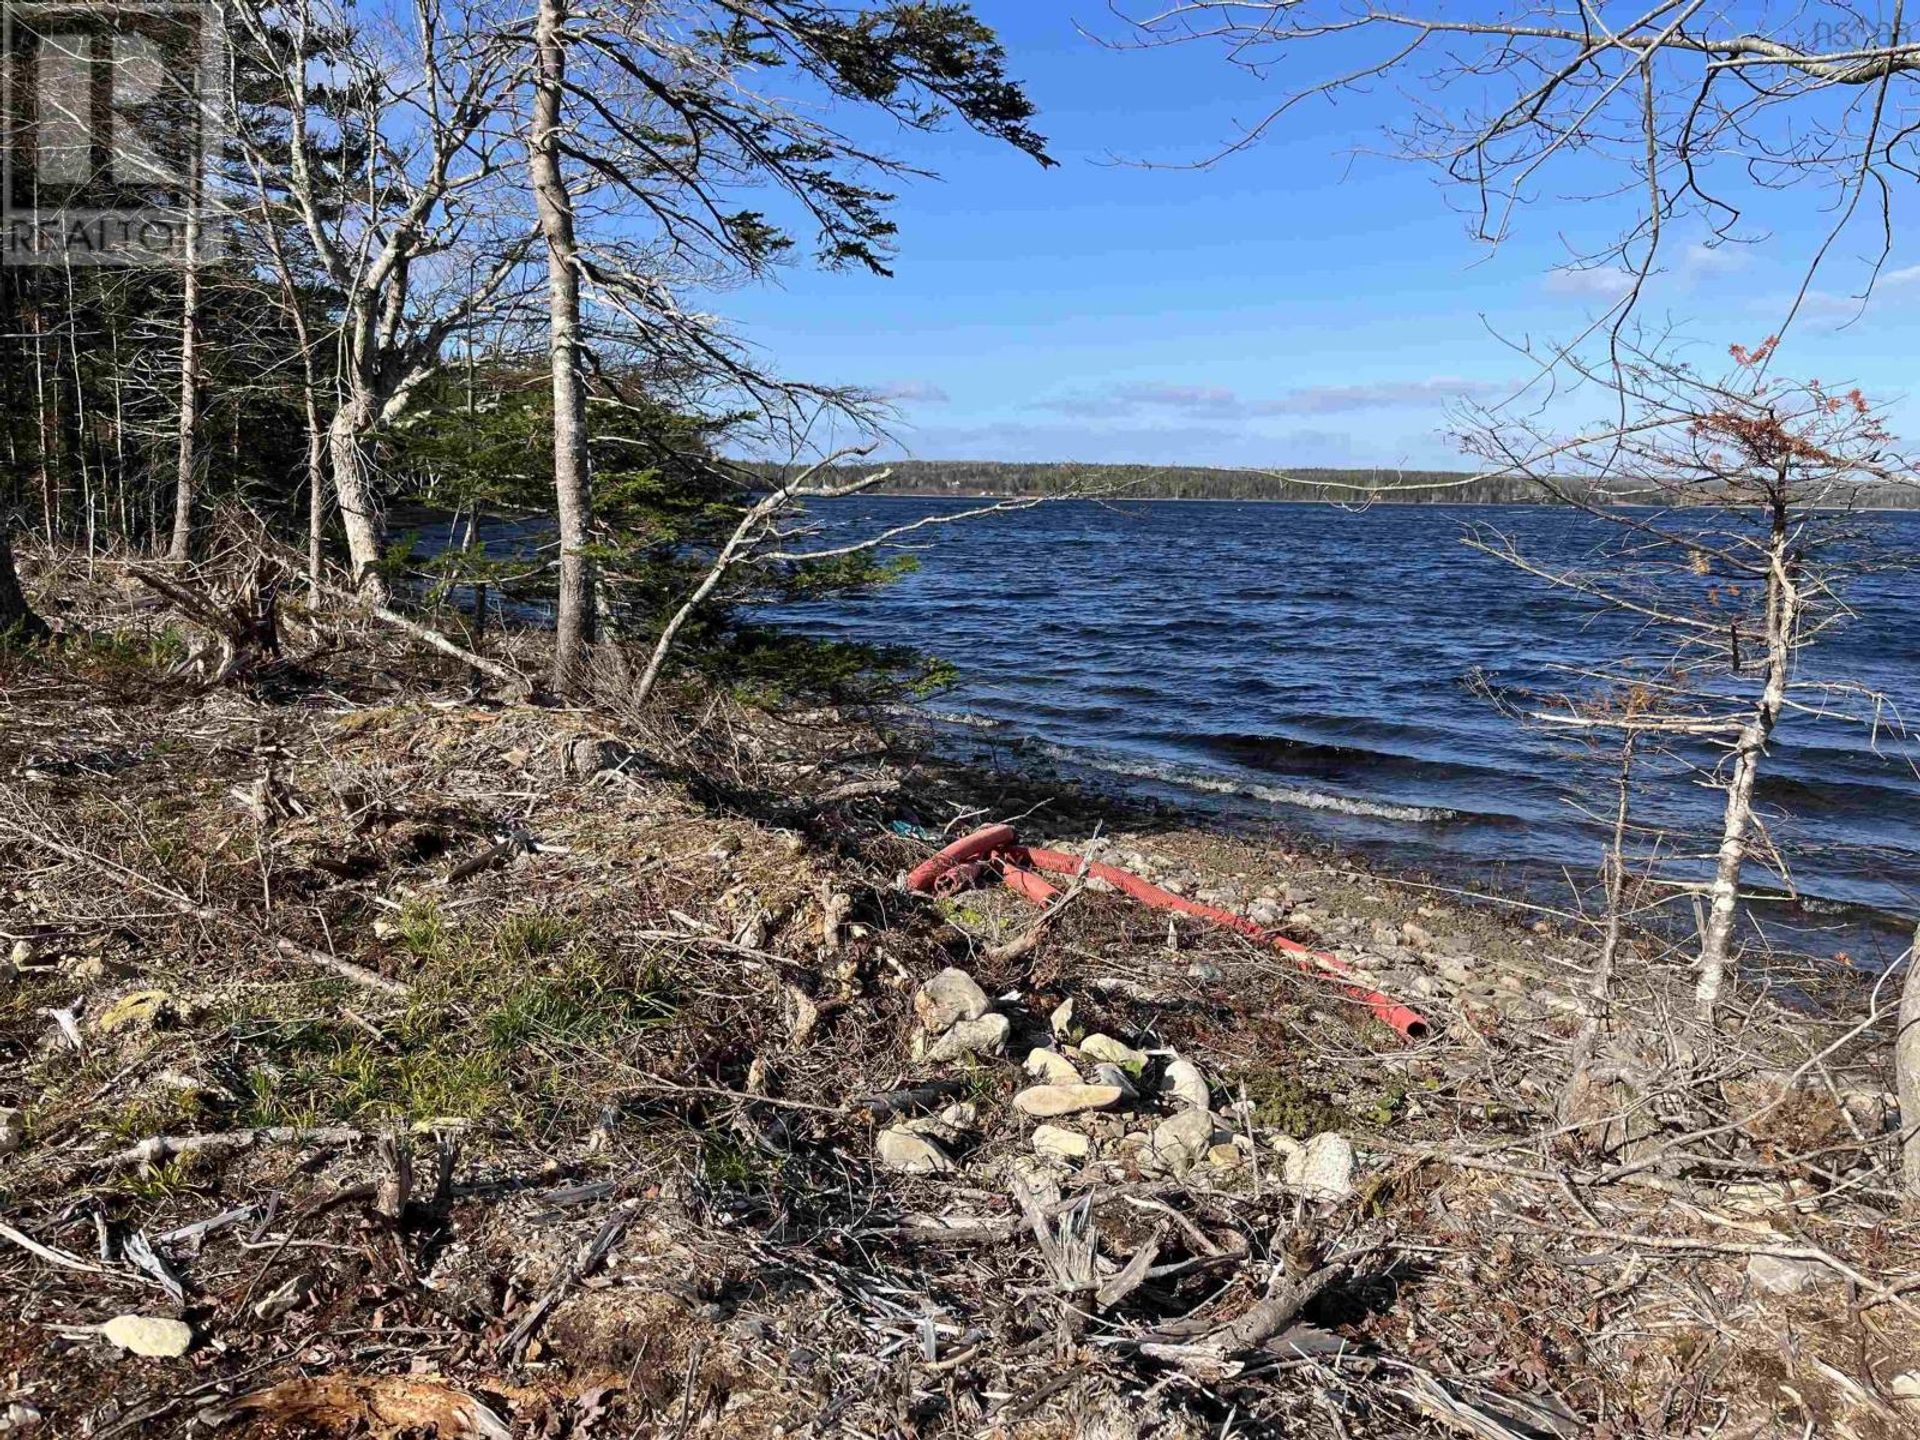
[[1302, 303]]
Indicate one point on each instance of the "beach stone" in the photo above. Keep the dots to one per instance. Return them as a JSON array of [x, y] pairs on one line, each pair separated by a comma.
[[1206, 972], [1177, 1145], [1224, 1157], [1323, 1167], [1777, 1276], [1062, 1019], [1062, 1144], [901, 1150], [1051, 1067], [21, 955], [948, 998], [985, 1036], [1105, 1047], [1187, 1085], [1265, 913], [1418, 937], [1046, 1101]]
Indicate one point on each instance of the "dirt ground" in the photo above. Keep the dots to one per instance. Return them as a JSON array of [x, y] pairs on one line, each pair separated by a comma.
[[425, 1062]]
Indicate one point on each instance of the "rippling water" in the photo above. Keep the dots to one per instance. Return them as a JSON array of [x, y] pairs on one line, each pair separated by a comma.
[[1308, 665]]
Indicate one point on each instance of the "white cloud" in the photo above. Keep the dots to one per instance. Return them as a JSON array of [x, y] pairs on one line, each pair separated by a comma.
[[1216, 402], [921, 392], [1590, 283]]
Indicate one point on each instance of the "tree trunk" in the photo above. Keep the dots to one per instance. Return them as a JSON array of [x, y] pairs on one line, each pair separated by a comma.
[[572, 482], [17, 620], [185, 474], [1716, 940], [1906, 1070], [359, 507]]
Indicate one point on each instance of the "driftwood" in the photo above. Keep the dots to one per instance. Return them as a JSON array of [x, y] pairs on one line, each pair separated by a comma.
[[245, 624]]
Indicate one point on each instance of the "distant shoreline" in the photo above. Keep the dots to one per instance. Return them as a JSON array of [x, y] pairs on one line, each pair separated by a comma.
[[1358, 501]]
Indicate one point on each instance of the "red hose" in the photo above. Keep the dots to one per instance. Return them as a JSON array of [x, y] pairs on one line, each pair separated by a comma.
[[981, 843], [1000, 842]]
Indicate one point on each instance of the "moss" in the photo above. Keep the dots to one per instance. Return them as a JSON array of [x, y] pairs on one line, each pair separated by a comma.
[[1283, 1103]]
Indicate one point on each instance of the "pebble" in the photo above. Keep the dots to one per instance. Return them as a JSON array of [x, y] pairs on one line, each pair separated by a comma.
[[1206, 972], [1062, 1143], [1224, 1157], [1187, 1085], [984, 1036], [910, 1154], [1418, 937], [1050, 1100], [948, 998]]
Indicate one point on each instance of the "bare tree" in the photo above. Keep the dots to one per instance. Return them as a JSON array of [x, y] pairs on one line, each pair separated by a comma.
[[1741, 569], [1690, 111], [412, 110]]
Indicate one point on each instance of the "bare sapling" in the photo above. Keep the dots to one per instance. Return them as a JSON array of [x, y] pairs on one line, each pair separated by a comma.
[[1720, 590]]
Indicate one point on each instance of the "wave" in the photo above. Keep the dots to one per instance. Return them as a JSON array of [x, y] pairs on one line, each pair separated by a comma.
[[1272, 794]]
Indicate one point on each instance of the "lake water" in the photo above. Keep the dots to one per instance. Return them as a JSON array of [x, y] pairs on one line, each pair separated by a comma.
[[1311, 666]]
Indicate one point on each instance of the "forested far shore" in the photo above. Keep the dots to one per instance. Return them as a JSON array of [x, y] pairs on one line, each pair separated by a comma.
[[1205, 482]]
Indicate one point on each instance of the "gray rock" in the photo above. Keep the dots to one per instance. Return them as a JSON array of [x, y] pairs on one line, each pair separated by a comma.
[[903, 1151], [948, 998], [588, 756], [1051, 1067], [985, 1036], [1777, 1276], [1061, 1143], [1046, 1101], [1105, 1047], [1184, 1082], [1206, 972], [1416, 936], [1177, 1145], [1323, 1167]]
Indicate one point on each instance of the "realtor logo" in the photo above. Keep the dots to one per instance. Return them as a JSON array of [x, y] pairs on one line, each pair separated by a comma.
[[108, 121]]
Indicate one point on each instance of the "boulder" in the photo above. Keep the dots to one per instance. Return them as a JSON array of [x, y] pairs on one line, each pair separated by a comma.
[[1051, 1067], [1061, 1143], [985, 1036], [1188, 1087], [901, 1150], [1046, 1101], [948, 998]]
